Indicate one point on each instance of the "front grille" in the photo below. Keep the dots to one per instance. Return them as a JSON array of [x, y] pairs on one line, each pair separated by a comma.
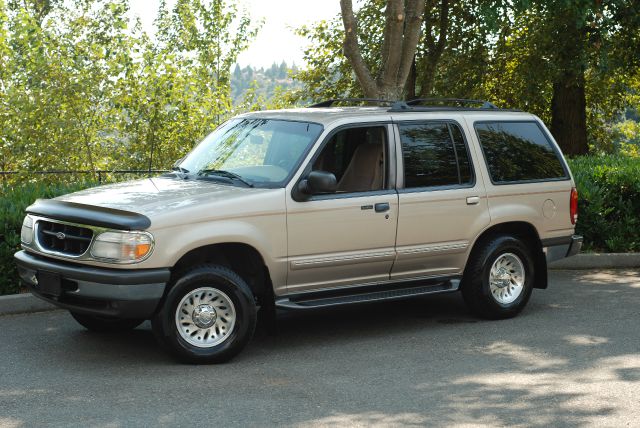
[[64, 238]]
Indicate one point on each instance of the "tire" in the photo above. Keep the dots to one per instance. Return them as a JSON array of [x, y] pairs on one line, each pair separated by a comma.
[[499, 278], [208, 315], [102, 324]]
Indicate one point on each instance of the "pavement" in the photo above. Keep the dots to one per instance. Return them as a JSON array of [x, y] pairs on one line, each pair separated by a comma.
[[571, 359]]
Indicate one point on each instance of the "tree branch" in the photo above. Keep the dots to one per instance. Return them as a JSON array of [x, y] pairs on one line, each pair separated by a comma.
[[414, 11], [444, 26], [434, 50], [352, 50], [392, 45]]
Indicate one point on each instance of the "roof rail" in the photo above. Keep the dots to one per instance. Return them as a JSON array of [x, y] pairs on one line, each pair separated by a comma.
[[461, 102], [329, 103], [419, 104]]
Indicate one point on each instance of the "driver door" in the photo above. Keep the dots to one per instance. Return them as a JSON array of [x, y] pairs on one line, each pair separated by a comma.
[[347, 237]]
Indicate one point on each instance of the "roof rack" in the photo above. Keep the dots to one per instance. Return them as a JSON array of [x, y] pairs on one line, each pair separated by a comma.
[[329, 103], [460, 102], [421, 104], [444, 104]]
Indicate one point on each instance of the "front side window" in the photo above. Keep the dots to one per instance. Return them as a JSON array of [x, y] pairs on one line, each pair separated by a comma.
[[434, 154], [356, 156], [518, 151], [260, 151]]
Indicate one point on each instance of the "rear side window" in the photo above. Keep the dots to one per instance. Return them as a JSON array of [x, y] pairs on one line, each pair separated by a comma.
[[518, 151], [434, 154]]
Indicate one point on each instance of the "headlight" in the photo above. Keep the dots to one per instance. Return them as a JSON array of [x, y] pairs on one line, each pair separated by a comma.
[[122, 247], [26, 234]]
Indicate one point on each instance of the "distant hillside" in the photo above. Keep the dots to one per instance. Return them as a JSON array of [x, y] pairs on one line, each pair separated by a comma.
[[265, 81]]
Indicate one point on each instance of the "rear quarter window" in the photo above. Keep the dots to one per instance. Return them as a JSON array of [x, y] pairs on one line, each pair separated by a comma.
[[519, 151]]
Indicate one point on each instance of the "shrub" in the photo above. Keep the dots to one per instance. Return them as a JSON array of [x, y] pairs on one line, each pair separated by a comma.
[[609, 202], [14, 200]]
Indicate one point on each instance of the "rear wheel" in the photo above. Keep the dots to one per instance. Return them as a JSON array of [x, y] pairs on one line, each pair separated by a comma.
[[208, 316], [105, 324], [499, 278]]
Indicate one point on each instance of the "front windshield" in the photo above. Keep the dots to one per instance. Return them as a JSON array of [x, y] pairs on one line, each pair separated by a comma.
[[260, 151]]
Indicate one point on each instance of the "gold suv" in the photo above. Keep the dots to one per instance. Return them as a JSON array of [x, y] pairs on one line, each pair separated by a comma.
[[308, 208]]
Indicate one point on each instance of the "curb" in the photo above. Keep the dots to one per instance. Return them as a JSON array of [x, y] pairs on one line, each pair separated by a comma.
[[23, 303], [598, 261]]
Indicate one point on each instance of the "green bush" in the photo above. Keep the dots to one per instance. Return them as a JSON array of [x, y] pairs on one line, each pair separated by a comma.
[[608, 202], [14, 200]]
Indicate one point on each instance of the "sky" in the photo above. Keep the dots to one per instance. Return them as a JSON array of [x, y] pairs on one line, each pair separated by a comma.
[[275, 41]]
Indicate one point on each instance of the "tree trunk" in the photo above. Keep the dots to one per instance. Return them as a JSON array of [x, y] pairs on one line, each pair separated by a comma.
[[403, 22], [568, 104], [429, 75], [569, 114], [410, 86], [434, 49]]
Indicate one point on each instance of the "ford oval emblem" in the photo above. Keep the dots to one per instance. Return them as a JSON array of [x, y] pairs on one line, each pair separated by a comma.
[[60, 235]]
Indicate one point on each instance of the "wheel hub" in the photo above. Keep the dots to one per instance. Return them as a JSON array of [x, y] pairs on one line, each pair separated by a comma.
[[204, 316], [502, 278], [507, 278]]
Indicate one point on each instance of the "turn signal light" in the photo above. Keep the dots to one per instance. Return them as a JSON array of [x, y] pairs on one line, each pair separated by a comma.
[[122, 247]]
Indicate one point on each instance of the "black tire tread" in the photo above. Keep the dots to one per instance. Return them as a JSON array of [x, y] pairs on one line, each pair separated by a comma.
[[473, 287], [162, 324]]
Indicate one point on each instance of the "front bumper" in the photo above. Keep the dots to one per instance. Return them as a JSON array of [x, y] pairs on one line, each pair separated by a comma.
[[122, 293], [559, 248]]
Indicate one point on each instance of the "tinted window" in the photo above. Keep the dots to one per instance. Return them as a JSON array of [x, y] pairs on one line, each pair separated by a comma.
[[434, 155], [462, 153], [518, 151]]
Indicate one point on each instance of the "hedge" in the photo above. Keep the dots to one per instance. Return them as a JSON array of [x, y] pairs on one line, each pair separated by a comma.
[[609, 208], [14, 200], [608, 202]]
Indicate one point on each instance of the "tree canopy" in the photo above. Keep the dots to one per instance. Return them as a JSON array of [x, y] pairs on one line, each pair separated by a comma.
[[81, 88], [574, 63]]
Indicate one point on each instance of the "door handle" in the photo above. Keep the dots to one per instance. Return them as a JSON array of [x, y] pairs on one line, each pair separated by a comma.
[[473, 200], [382, 207]]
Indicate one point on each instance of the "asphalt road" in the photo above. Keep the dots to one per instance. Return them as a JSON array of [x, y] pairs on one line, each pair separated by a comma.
[[572, 358]]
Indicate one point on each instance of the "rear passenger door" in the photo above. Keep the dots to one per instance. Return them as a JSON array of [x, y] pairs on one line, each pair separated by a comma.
[[442, 201]]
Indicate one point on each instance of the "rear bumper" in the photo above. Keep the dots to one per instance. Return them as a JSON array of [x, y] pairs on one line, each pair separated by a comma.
[[122, 293], [560, 248]]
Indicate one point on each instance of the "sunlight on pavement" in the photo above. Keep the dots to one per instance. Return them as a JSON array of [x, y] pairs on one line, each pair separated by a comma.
[[528, 357], [590, 395], [369, 419], [10, 423], [630, 278], [585, 339]]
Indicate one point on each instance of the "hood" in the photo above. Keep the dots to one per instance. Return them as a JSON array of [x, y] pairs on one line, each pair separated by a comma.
[[151, 195]]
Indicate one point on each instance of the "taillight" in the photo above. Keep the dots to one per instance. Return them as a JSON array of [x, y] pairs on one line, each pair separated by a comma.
[[573, 205]]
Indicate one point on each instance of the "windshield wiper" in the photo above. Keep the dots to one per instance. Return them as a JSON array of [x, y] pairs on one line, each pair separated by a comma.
[[182, 172], [226, 174]]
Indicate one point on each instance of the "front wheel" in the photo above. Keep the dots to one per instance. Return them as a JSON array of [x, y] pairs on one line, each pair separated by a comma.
[[499, 278], [105, 324], [208, 316]]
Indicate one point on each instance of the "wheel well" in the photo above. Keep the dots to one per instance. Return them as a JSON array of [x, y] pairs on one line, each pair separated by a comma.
[[526, 232], [243, 259]]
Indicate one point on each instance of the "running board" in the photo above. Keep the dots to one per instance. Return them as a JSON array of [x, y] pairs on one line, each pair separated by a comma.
[[355, 295]]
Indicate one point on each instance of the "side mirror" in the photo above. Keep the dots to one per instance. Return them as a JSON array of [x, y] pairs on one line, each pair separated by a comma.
[[319, 182], [179, 161]]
